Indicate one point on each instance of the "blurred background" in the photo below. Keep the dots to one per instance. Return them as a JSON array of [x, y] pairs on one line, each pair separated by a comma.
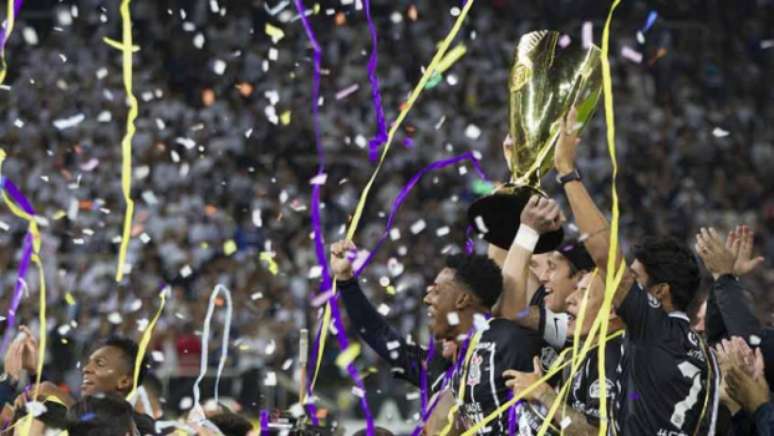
[[224, 153]]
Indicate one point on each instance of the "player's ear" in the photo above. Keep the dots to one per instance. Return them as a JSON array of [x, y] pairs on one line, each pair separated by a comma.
[[662, 292]]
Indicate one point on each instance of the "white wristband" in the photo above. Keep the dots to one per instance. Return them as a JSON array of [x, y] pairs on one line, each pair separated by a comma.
[[526, 237]]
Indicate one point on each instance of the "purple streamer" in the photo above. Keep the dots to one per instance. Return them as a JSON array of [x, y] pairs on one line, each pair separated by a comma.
[[512, 416], [16, 9], [24, 263], [423, 388], [407, 189], [319, 242], [381, 127], [264, 423], [447, 378], [469, 244]]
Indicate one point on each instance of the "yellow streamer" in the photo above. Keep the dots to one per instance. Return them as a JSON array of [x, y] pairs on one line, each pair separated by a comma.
[[431, 69], [117, 45], [146, 337], [463, 382], [9, 28], [613, 277], [126, 143], [454, 55]]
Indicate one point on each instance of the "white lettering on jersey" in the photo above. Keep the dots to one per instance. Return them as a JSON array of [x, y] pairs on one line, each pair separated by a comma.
[[688, 370]]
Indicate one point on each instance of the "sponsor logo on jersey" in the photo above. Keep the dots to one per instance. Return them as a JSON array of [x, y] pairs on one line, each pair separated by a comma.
[[653, 301], [609, 386], [474, 373]]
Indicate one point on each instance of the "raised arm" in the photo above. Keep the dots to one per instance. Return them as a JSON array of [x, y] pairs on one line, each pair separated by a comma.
[[370, 324], [726, 263], [590, 220], [540, 215]]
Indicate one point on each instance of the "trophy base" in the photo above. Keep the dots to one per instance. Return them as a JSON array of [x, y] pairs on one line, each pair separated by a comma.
[[501, 212]]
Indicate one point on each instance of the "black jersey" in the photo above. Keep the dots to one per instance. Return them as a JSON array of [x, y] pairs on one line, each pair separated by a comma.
[[668, 377], [585, 392], [504, 345]]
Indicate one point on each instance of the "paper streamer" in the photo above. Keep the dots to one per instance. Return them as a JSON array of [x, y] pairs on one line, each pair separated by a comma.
[[126, 142], [319, 242], [12, 11], [13, 196], [206, 338], [614, 273], [352, 228], [146, 337], [264, 428], [406, 190], [447, 378], [381, 127]]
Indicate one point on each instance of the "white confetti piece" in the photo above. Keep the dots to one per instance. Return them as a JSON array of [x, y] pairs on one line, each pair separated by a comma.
[[219, 67], [142, 324], [480, 225], [270, 348], [587, 35], [186, 142], [319, 179], [384, 281], [315, 272], [443, 231], [393, 345], [287, 364], [453, 318], [768, 43], [297, 410], [66, 123], [64, 329], [115, 318], [104, 117], [383, 309], [394, 234], [18, 123], [186, 271], [564, 41], [472, 131], [356, 391], [30, 36], [270, 379], [631, 54], [256, 296], [418, 226], [565, 422], [755, 340], [346, 92], [257, 218], [719, 133], [157, 356], [411, 396], [273, 54], [186, 403], [394, 267], [640, 37], [136, 305]]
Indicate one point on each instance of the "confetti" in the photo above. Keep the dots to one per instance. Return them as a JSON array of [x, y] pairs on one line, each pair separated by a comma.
[[769, 43], [453, 318], [719, 133], [479, 221], [418, 226], [275, 33], [631, 54], [564, 41], [383, 309], [346, 92], [66, 123], [587, 35], [348, 356], [229, 247]]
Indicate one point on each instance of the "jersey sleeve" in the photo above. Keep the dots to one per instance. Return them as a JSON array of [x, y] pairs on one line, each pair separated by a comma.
[[371, 326], [642, 314], [735, 309]]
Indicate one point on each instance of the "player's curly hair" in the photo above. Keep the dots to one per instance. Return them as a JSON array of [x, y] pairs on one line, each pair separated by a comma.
[[666, 260], [479, 274]]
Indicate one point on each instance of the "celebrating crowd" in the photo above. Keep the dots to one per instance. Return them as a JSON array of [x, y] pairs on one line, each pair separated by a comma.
[[221, 179]]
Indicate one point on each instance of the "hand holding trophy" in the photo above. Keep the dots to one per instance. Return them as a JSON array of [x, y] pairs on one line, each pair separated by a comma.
[[545, 83]]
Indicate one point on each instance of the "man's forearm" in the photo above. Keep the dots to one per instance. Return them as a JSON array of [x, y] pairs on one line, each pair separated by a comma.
[[578, 424], [515, 274], [594, 226]]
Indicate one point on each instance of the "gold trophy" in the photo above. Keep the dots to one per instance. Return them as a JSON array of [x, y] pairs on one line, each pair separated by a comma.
[[545, 82]]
